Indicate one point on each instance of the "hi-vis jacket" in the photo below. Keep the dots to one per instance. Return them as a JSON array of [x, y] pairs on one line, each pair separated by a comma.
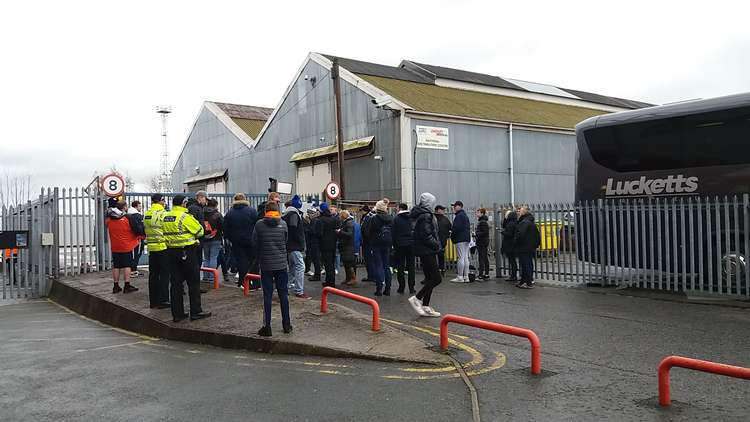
[[153, 222], [180, 228]]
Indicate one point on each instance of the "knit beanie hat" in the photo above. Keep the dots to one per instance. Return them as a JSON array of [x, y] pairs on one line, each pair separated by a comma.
[[381, 206], [296, 202]]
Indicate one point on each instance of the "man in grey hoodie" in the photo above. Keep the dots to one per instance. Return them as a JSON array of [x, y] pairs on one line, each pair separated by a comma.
[[295, 246], [426, 247], [270, 239]]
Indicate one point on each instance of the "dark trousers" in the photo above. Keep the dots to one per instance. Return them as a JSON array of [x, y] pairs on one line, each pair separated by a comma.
[[526, 261], [405, 262], [484, 260], [512, 266], [432, 278], [367, 256], [243, 255], [381, 257], [158, 277], [329, 263], [184, 269], [137, 252], [312, 260], [11, 267], [441, 255], [280, 279]]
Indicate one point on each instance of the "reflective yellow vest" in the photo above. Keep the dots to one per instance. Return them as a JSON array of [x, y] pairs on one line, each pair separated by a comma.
[[153, 222], [180, 228]]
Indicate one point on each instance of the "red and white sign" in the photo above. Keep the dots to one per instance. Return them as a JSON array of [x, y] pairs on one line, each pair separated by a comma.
[[113, 185], [333, 191]]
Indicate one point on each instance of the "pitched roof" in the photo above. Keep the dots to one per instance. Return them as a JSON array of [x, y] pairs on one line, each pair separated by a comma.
[[459, 102], [249, 118], [374, 69]]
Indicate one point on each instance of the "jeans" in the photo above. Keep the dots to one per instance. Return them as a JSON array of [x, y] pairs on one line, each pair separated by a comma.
[[484, 260], [432, 278], [405, 262], [462, 266], [269, 279], [211, 256], [512, 266], [526, 261], [367, 255], [137, 252], [441, 255], [381, 265], [297, 272]]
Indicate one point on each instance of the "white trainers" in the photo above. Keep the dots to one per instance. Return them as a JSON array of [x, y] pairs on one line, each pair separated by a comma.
[[417, 305], [460, 280], [309, 273], [428, 311]]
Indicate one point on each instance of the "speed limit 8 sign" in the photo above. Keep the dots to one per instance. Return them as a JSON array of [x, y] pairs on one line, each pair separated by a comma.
[[113, 185], [333, 191]]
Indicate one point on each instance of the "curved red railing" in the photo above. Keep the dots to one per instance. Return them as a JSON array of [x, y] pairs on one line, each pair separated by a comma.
[[216, 275], [352, 296], [536, 347], [695, 364], [246, 283]]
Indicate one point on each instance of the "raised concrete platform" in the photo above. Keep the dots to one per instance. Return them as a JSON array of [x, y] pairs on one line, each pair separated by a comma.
[[342, 332]]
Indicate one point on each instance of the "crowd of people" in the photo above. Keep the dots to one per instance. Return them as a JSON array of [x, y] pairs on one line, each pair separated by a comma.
[[284, 244]]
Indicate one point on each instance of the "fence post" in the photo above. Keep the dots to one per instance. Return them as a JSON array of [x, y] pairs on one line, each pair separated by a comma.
[[498, 239]]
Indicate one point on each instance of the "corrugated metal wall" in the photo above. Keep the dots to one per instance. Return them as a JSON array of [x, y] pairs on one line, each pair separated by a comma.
[[304, 121], [475, 169]]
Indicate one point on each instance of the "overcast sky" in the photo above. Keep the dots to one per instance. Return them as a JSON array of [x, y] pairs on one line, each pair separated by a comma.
[[79, 81]]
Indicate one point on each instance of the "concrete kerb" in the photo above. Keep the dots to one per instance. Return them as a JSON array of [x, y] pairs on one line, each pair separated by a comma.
[[102, 310]]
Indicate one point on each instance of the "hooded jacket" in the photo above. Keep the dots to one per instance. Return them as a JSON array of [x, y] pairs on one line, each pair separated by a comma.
[[403, 235], [483, 231], [444, 228], [346, 240], [509, 233], [239, 223], [426, 240], [527, 237], [461, 228], [295, 225], [121, 236], [270, 239]]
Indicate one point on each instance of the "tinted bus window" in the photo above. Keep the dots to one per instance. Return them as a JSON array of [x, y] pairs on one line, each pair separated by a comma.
[[700, 140]]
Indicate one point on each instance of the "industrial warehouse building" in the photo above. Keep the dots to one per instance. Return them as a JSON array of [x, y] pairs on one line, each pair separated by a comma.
[[407, 129]]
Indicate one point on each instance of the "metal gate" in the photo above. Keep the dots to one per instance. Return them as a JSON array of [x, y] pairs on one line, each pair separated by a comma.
[[682, 244]]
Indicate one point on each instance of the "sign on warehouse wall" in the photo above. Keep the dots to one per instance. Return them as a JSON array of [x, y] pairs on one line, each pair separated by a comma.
[[432, 137]]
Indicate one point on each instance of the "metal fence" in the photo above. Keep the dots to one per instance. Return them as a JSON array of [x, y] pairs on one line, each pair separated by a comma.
[[683, 244]]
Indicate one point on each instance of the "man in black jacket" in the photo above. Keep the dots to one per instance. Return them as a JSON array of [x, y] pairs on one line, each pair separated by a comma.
[[426, 247], [403, 247], [295, 246], [381, 236], [483, 243], [444, 233], [312, 245], [526, 242], [239, 223], [326, 230]]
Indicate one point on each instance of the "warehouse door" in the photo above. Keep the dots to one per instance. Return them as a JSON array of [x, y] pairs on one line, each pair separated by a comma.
[[313, 178]]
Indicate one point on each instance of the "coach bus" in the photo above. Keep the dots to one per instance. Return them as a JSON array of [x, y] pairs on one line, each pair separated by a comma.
[[678, 174]]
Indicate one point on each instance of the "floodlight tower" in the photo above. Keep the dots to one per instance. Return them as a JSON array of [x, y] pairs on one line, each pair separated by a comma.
[[165, 174]]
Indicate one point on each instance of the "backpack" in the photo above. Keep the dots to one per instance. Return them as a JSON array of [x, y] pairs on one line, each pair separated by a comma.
[[384, 237], [136, 224], [209, 231]]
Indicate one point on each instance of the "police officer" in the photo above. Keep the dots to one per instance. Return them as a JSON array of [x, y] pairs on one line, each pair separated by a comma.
[[181, 232], [158, 256]]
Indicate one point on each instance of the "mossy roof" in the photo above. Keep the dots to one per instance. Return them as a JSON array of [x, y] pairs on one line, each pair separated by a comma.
[[463, 103], [250, 126]]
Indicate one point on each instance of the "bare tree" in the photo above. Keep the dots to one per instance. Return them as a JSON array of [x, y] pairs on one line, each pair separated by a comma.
[[153, 183], [15, 189]]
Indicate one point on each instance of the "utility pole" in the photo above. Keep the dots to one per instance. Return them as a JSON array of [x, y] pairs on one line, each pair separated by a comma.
[[339, 129]]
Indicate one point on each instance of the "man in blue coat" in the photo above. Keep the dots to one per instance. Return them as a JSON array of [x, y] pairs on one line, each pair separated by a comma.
[[239, 224], [461, 236]]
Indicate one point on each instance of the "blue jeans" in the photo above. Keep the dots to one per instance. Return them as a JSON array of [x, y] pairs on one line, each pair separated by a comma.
[[269, 279], [526, 262], [381, 265], [211, 256], [297, 272]]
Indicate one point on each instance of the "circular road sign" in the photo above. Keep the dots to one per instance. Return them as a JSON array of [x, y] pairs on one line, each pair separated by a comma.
[[333, 191], [113, 185]]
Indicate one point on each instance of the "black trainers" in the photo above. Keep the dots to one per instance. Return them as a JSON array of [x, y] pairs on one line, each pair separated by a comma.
[[287, 329], [387, 292], [200, 315], [116, 288], [265, 331], [129, 289], [179, 318]]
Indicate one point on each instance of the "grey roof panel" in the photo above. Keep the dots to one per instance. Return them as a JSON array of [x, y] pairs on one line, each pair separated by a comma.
[[466, 76], [374, 69], [603, 99], [244, 111]]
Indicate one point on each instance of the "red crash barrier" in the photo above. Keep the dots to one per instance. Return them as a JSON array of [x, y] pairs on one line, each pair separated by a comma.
[[536, 348], [246, 283], [352, 296], [698, 365], [216, 275]]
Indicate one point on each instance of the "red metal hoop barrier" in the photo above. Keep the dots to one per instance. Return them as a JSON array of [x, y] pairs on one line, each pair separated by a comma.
[[246, 283], [695, 364], [216, 275], [352, 296], [536, 348]]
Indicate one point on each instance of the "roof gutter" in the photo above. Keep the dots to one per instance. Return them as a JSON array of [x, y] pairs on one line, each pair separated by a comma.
[[493, 123]]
